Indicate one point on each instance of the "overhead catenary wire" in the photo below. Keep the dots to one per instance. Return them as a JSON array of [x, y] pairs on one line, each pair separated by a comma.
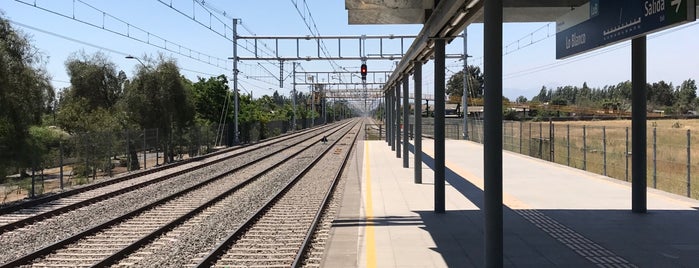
[[212, 9], [94, 46], [181, 50], [590, 54], [208, 7], [314, 31]]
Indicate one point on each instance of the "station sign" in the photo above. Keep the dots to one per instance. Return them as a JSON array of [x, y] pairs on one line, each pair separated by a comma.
[[601, 23]]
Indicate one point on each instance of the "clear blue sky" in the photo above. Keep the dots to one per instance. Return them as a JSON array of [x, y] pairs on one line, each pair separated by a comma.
[[672, 54]]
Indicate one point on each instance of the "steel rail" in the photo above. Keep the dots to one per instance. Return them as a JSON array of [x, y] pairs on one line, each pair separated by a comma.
[[326, 201], [95, 229], [223, 246], [146, 239], [89, 201], [49, 198]]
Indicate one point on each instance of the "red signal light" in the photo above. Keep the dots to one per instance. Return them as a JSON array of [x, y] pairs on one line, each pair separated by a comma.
[[363, 71]]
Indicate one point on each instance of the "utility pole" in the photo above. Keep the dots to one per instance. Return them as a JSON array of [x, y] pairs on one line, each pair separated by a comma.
[[236, 139], [293, 100], [323, 104], [464, 95], [281, 73]]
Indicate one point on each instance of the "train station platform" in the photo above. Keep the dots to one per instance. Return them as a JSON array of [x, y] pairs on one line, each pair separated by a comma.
[[554, 216]]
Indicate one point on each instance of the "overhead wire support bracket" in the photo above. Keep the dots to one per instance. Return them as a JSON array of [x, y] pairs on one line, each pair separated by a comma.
[[318, 54]]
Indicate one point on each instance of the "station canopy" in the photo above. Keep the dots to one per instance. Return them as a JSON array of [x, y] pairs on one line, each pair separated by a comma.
[[418, 11]]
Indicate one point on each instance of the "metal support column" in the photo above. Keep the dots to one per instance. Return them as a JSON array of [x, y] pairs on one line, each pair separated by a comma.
[[406, 120], [439, 159], [638, 125], [392, 122], [397, 118], [385, 114], [417, 75], [464, 95], [492, 133], [293, 100], [236, 137]]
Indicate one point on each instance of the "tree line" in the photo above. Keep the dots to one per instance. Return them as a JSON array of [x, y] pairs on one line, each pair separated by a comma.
[[101, 98], [661, 96]]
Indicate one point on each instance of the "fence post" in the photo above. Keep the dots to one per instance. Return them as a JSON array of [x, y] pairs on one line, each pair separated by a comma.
[[109, 159], [520, 136], [60, 163], [530, 139], [584, 147], [128, 155], [552, 146], [206, 139], [87, 157], [507, 146], [541, 142], [655, 166], [33, 179], [626, 153], [604, 148], [512, 135], [144, 149], [94, 159], [689, 167], [568, 143], [198, 132], [157, 145]]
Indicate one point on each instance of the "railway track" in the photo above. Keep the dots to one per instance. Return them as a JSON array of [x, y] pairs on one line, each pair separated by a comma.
[[131, 234], [280, 233], [43, 231], [14, 217]]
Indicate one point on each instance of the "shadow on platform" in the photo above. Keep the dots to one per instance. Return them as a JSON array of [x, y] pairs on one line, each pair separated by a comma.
[[574, 238]]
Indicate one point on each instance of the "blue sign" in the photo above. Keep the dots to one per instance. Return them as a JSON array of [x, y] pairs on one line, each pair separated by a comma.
[[605, 22]]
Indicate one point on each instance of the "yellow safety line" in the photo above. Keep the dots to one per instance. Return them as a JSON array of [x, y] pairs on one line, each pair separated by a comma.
[[369, 211]]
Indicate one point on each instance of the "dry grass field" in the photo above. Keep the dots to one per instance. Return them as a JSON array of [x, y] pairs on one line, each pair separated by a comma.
[[602, 147]]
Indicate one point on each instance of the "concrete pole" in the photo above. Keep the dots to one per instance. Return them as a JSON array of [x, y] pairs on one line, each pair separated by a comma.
[[418, 121], [492, 138]]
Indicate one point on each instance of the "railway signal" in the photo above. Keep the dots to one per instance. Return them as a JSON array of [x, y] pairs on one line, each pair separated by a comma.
[[363, 71]]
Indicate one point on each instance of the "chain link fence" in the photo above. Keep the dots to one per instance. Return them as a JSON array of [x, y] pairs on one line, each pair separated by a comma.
[[673, 165]]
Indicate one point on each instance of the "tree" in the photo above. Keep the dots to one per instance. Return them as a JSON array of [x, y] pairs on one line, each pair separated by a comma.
[[455, 85], [544, 95], [521, 99], [95, 78], [157, 98], [661, 94], [560, 101], [686, 95], [96, 87], [212, 98], [25, 94]]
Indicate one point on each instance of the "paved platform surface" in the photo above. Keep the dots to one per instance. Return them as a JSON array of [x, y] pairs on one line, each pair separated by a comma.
[[554, 216]]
